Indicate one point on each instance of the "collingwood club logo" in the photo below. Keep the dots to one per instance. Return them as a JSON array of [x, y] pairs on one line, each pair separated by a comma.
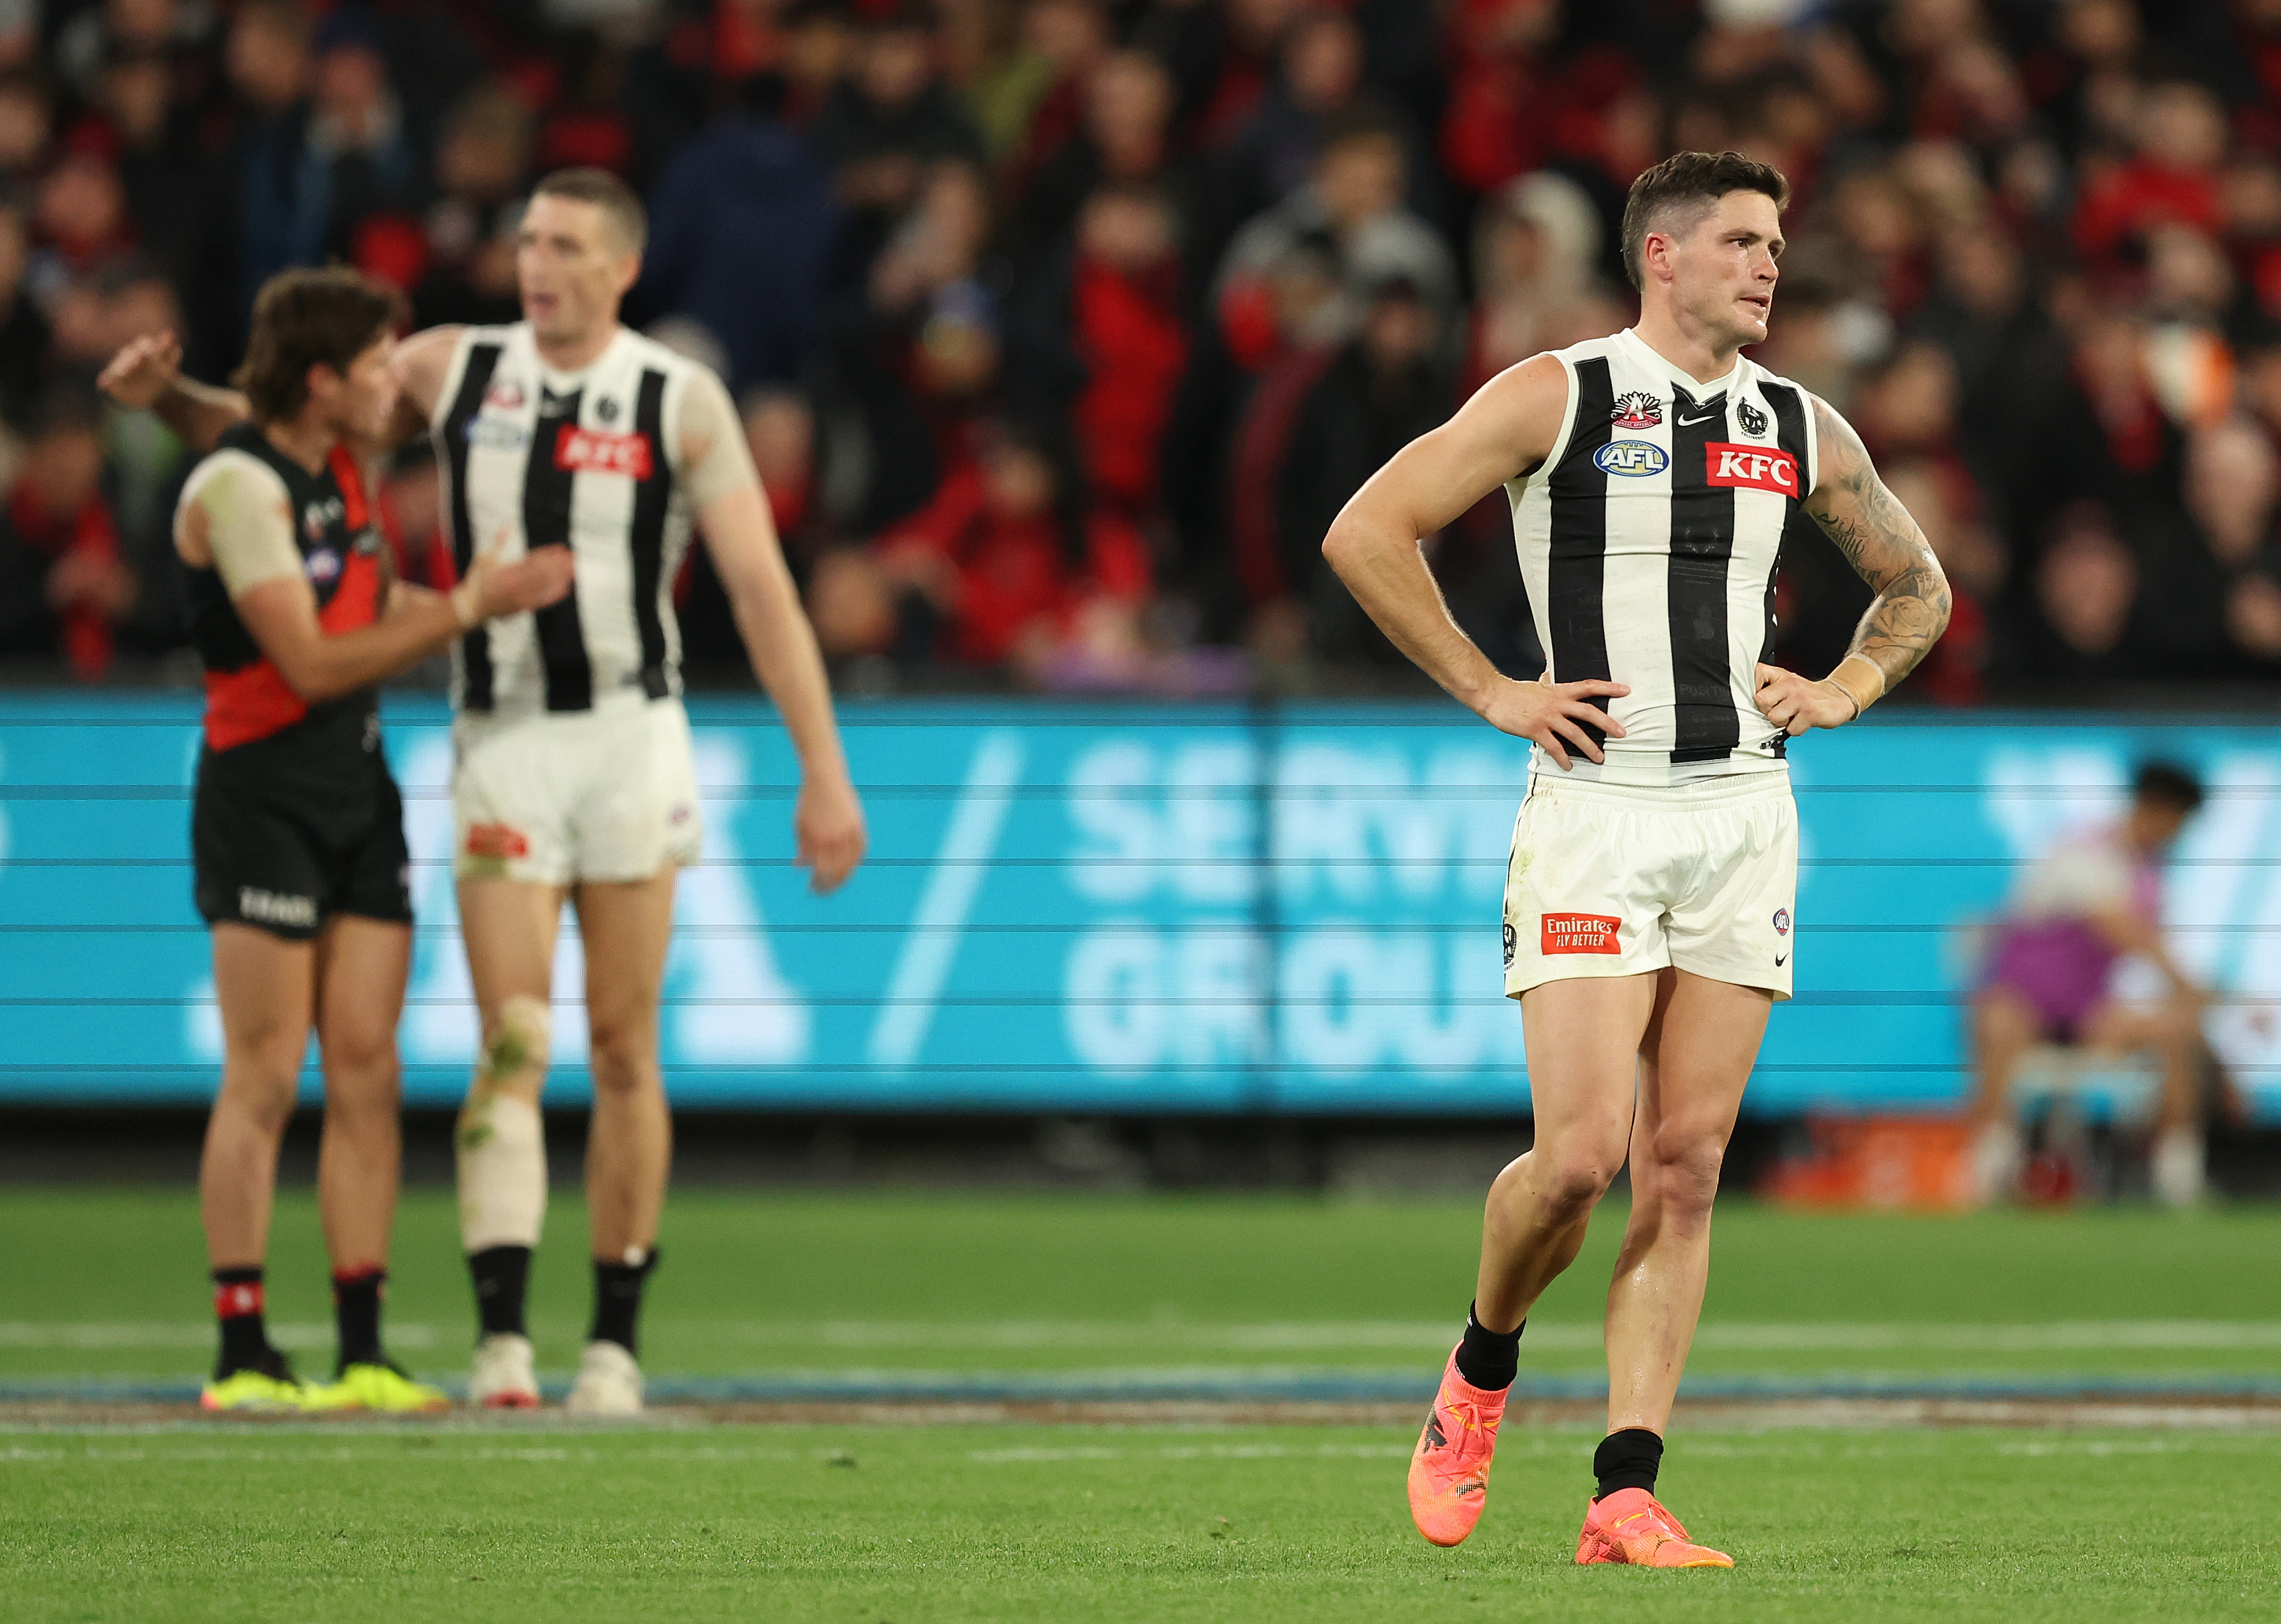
[[1754, 422]]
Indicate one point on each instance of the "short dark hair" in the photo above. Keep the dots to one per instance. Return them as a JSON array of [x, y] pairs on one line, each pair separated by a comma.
[[2165, 783], [1692, 183], [308, 318], [606, 192]]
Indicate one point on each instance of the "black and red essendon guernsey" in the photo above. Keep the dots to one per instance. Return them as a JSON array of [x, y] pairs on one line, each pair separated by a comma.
[[247, 697]]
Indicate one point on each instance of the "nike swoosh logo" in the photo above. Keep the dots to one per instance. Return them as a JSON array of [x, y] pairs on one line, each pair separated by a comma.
[[1686, 421], [1783, 960]]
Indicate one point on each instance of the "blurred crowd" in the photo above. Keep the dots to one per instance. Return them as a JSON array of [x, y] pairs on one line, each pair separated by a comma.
[[1062, 327]]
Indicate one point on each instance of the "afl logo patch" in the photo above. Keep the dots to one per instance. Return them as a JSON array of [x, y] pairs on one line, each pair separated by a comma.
[[322, 565], [1782, 922], [1631, 459]]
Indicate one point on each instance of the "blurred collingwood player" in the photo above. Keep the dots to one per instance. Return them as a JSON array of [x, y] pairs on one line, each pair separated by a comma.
[[567, 431], [1649, 897], [297, 831]]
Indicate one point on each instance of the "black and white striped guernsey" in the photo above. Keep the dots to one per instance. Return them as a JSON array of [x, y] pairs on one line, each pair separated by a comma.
[[584, 460], [1648, 541]]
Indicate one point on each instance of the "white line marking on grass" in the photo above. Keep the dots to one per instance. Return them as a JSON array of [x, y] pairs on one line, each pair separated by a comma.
[[1424, 1337]]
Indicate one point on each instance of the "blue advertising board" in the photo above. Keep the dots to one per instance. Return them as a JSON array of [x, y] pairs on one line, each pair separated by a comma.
[[1129, 909]]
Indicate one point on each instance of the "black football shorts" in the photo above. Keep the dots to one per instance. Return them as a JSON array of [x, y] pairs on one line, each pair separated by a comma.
[[280, 848]]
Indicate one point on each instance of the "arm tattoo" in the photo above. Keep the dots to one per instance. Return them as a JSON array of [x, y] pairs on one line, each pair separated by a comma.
[[1885, 548]]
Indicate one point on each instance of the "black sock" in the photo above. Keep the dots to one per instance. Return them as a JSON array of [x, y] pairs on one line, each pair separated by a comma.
[[356, 1317], [237, 1307], [1626, 1459], [1490, 1359], [502, 1276], [617, 1300]]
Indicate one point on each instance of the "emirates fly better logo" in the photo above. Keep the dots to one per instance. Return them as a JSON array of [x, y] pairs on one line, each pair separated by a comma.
[[1580, 933]]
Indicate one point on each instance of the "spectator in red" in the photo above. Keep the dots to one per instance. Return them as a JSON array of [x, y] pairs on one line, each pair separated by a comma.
[[1228, 62], [63, 585], [2104, 435], [1125, 137], [1126, 328], [1492, 128], [1099, 337], [1042, 104], [1008, 555], [2174, 179]]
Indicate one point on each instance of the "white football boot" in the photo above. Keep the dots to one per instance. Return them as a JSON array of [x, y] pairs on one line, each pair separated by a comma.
[[2179, 1168], [1995, 1160], [609, 1382], [503, 1377]]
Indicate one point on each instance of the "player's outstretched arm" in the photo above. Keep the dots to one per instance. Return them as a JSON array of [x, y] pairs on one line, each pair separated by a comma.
[[1887, 549], [828, 822], [1507, 429], [244, 531], [146, 375]]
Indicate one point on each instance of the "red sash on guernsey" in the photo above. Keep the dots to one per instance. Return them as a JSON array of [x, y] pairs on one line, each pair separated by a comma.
[[255, 700]]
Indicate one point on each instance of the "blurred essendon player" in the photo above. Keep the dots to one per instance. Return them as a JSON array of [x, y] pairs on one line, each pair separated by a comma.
[[296, 833]]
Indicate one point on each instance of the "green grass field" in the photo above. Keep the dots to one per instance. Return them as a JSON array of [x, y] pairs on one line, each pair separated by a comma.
[[102, 1283], [928, 1525], [691, 1521]]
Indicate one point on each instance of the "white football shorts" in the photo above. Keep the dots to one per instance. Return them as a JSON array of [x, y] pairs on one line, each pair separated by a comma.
[[1609, 880], [559, 797]]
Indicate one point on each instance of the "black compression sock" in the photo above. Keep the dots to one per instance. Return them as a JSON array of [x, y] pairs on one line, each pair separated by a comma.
[[356, 1317], [1626, 1459], [238, 1310], [1490, 1359], [617, 1300], [502, 1277]]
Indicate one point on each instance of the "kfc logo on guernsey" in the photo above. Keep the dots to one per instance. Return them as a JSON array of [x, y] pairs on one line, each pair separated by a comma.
[[1751, 467], [590, 450], [1580, 933]]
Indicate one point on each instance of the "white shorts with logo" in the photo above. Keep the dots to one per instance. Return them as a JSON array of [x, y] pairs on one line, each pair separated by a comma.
[[559, 797], [1609, 880]]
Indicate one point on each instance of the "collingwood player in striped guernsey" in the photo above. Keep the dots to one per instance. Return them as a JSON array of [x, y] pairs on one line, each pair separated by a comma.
[[1648, 915], [573, 780]]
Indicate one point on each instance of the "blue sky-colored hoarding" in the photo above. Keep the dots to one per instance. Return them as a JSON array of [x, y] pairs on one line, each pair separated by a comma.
[[1137, 910]]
